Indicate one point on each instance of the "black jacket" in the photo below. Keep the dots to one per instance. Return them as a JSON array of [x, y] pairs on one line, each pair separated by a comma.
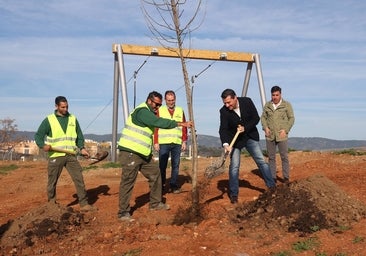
[[229, 122]]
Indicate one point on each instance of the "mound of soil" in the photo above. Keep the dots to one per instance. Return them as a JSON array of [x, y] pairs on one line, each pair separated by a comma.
[[47, 222], [306, 206]]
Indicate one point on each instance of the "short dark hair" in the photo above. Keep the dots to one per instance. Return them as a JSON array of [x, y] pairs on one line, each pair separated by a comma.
[[154, 94], [59, 99], [228, 92], [275, 88]]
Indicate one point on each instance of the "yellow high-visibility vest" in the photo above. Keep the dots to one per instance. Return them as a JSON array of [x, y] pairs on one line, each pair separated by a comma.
[[136, 138], [60, 139], [174, 135]]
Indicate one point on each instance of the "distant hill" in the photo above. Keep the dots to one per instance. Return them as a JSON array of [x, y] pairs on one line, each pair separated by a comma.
[[297, 143]]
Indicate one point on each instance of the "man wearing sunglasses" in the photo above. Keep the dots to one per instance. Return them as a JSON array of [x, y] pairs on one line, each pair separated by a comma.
[[135, 155]]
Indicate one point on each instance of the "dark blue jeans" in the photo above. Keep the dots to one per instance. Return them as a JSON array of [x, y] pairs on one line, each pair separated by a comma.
[[255, 151], [172, 150]]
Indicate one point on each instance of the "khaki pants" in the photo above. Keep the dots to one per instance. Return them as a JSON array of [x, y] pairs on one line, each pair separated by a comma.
[[131, 164], [283, 150], [72, 165]]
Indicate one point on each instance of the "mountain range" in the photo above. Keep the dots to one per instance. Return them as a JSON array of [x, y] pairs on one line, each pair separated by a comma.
[[296, 143]]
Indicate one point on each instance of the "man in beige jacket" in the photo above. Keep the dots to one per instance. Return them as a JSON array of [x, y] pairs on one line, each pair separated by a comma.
[[277, 120]]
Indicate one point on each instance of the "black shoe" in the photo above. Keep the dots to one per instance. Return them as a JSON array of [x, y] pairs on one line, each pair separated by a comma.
[[234, 199], [286, 181]]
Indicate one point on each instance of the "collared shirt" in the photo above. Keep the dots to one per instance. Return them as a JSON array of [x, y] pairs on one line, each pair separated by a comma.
[[276, 105]]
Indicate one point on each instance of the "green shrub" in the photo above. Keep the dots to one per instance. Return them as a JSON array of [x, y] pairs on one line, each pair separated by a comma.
[[351, 152]]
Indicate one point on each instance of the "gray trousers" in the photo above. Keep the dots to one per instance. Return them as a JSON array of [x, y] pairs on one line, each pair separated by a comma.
[[72, 165], [131, 165], [283, 150]]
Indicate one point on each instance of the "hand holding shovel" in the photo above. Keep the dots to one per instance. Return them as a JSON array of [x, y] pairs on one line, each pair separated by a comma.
[[215, 169], [98, 156]]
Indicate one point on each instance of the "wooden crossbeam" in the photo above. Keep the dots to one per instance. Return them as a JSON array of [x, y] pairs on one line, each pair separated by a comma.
[[187, 53]]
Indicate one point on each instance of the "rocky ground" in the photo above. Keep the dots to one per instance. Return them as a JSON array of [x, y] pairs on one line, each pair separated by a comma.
[[321, 212]]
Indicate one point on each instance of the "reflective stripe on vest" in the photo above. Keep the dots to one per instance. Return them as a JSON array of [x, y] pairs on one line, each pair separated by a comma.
[[174, 135], [136, 138], [59, 138]]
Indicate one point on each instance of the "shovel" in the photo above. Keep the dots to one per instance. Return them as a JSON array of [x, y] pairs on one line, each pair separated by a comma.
[[98, 156], [216, 168]]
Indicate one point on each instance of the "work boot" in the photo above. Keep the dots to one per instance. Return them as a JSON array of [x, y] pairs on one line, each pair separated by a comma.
[[159, 206], [88, 208]]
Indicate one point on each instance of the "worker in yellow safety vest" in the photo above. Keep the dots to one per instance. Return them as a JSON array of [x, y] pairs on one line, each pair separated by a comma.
[[135, 146], [63, 133], [170, 142]]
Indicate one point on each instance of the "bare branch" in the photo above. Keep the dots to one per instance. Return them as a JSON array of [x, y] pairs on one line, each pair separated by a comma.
[[159, 16], [7, 131]]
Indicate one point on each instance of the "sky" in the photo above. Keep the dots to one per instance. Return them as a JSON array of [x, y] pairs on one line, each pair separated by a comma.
[[314, 50]]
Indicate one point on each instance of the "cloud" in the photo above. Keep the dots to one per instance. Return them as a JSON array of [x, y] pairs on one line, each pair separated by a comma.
[[315, 51]]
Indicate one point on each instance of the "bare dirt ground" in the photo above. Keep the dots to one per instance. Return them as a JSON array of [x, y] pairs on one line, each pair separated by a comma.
[[321, 212]]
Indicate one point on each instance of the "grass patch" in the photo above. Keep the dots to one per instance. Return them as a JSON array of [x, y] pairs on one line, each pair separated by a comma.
[[305, 245], [358, 239], [133, 252], [284, 253], [111, 165], [106, 165], [340, 229], [90, 167], [315, 228], [8, 168]]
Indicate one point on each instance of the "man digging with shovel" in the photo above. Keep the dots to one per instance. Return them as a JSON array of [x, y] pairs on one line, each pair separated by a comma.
[[62, 132], [240, 114]]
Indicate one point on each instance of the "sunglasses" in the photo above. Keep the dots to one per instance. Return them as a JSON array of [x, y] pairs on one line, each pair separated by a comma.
[[156, 104]]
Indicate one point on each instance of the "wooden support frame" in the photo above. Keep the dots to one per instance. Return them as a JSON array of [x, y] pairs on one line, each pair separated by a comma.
[[188, 53], [120, 78]]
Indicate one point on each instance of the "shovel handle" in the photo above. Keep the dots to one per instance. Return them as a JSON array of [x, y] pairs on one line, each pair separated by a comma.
[[61, 150], [233, 141], [235, 137]]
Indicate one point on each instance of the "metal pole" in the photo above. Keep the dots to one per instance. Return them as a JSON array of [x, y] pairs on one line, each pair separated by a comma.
[[260, 79], [122, 77], [246, 79], [119, 75], [115, 110]]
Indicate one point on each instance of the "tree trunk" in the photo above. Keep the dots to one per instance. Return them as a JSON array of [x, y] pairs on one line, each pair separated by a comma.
[[195, 195]]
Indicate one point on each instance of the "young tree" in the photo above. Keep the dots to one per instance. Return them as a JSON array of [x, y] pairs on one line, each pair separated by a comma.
[[170, 25]]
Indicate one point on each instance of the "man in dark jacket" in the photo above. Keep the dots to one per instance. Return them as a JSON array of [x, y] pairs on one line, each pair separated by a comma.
[[239, 113]]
